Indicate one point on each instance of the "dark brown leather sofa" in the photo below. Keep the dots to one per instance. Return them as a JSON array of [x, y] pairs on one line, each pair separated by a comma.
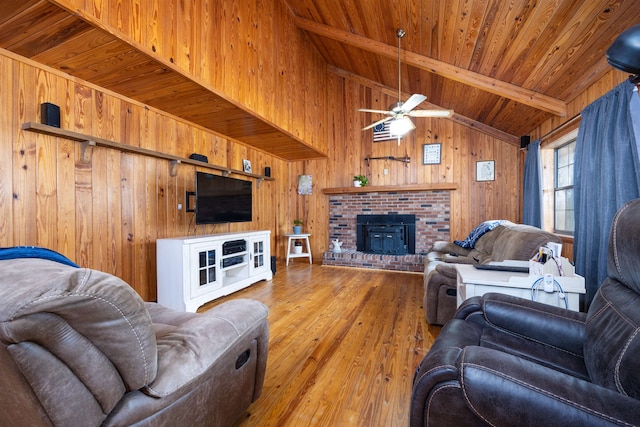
[[79, 347], [505, 361], [506, 241]]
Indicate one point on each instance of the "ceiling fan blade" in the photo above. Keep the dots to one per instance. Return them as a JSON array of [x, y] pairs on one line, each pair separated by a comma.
[[374, 124], [413, 102], [431, 113], [367, 110]]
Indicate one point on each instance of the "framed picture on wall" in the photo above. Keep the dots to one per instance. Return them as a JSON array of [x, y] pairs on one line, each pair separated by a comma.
[[485, 170], [431, 154], [305, 184], [246, 166]]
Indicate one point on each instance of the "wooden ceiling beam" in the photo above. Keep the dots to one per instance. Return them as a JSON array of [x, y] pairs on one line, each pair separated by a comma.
[[471, 78], [458, 118]]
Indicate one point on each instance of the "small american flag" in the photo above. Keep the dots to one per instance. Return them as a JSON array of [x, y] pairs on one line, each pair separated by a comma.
[[381, 132]]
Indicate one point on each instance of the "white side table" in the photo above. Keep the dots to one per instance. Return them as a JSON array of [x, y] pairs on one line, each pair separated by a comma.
[[474, 282], [291, 238]]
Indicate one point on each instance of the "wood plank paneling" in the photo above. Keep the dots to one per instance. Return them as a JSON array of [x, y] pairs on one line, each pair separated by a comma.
[[472, 202], [554, 48], [88, 45], [7, 121], [24, 159], [65, 180], [107, 214]]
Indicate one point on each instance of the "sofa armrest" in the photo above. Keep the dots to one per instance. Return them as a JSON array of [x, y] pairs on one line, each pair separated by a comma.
[[564, 329], [539, 395], [190, 343], [469, 308], [439, 296], [459, 259], [447, 270], [448, 247]]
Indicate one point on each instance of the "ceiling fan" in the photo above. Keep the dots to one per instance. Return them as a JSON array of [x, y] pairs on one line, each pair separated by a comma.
[[399, 113]]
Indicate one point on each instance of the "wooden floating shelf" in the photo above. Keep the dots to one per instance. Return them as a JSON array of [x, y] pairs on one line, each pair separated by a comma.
[[88, 142], [392, 188]]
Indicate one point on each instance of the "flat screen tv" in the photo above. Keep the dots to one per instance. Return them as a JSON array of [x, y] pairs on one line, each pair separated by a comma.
[[221, 199]]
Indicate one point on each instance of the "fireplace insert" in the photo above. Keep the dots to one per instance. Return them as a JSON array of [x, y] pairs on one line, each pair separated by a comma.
[[391, 234]]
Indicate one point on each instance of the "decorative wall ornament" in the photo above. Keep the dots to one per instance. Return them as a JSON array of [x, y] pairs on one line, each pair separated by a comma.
[[381, 133], [305, 184], [431, 154], [485, 170], [246, 166]]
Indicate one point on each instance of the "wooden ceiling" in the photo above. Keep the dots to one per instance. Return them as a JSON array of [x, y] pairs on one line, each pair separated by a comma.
[[502, 65], [82, 47], [507, 64]]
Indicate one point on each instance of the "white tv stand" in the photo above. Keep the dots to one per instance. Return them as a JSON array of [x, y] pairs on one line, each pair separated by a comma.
[[194, 270]]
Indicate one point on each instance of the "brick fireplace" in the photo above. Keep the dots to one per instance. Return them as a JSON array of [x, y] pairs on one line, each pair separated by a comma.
[[430, 207]]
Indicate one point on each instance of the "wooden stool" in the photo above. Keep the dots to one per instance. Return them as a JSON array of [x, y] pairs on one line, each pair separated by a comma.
[[293, 237]]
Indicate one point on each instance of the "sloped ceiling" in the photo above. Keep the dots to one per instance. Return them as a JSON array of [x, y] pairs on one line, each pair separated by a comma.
[[504, 65], [49, 34], [507, 64]]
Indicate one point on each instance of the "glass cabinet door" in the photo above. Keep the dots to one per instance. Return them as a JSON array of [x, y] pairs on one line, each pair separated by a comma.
[[206, 267], [205, 273], [259, 254]]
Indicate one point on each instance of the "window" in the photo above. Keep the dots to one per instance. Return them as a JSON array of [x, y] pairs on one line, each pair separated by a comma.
[[564, 219]]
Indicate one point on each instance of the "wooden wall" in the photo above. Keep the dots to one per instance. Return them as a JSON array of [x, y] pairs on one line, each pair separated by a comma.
[[253, 53], [108, 214], [249, 50], [462, 147]]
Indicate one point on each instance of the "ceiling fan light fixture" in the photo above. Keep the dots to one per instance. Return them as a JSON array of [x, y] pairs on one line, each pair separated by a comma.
[[400, 127], [399, 112]]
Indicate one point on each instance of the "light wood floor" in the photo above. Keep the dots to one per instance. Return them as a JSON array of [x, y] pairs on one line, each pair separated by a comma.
[[343, 347]]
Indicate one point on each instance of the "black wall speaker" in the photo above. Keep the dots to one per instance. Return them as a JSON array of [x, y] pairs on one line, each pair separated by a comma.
[[50, 114], [524, 141], [199, 157], [267, 171]]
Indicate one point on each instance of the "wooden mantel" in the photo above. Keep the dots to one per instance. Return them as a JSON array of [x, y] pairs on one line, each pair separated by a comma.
[[392, 188]]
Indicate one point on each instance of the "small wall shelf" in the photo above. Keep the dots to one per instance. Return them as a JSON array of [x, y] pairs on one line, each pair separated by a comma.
[[89, 142]]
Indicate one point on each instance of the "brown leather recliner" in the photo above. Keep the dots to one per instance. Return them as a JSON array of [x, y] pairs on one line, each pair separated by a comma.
[[506, 361], [79, 347]]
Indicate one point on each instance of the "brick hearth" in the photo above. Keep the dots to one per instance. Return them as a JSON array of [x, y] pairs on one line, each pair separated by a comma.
[[431, 209]]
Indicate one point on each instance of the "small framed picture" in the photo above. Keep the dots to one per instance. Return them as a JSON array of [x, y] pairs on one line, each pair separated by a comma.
[[305, 184], [485, 170], [431, 154], [246, 166]]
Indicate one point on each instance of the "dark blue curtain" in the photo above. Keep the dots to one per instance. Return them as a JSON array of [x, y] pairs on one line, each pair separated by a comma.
[[532, 203], [606, 175], [635, 114]]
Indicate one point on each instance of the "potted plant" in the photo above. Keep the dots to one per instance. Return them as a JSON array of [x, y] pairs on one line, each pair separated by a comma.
[[297, 226], [297, 247], [360, 181]]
